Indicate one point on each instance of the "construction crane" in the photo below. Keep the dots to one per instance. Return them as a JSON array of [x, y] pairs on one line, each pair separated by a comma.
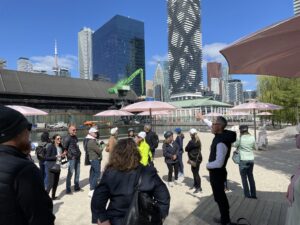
[[122, 87]]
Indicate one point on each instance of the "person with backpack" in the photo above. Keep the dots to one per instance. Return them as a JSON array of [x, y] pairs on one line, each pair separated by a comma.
[[179, 141], [151, 138], [94, 150], [70, 144], [115, 195], [170, 152], [40, 153], [193, 149]]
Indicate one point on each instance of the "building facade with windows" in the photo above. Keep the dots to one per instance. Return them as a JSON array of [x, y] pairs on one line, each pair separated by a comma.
[[24, 64], [235, 92], [297, 7], [184, 46], [85, 56], [119, 50]]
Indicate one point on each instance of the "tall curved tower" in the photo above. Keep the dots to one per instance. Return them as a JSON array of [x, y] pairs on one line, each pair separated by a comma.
[[184, 46], [297, 7]]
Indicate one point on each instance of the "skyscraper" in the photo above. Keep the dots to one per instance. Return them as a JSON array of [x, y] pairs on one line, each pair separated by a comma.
[[119, 50], [24, 64], [166, 90], [297, 7], [214, 70], [158, 83], [184, 46], [235, 92], [85, 56]]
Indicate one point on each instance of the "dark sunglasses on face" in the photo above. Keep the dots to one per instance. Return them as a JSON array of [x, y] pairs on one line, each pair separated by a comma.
[[58, 138]]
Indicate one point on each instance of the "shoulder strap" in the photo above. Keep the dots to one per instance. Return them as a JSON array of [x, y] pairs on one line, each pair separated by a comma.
[[138, 179]]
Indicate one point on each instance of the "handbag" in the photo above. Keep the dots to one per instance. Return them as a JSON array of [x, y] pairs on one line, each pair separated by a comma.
[[236, 157], [55, 168], [143, 208], [192, 163]]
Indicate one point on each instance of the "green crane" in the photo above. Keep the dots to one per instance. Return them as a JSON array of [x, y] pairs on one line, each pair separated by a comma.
[[122, 87]]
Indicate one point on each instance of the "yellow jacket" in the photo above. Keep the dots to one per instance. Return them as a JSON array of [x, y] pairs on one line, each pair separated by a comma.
[[145, 152]]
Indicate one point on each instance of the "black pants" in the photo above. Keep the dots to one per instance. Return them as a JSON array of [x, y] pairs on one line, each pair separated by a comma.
[[217, 179], [53, 179], [197, 179], [170, 167]]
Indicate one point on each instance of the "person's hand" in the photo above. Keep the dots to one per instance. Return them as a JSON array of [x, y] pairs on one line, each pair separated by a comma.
[[174, 157], [107, 222], [199, 116]]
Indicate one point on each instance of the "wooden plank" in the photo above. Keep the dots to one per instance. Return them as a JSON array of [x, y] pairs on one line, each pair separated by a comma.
[[202, 209], [274, 219], [236, 204], [265, 216], [254, 219], [283, 213], [245, 210]]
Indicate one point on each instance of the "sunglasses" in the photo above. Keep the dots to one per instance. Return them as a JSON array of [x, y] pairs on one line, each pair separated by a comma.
[[58, 138]]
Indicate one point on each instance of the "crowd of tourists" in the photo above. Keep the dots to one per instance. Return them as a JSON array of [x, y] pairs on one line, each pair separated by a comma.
[[129, 191]]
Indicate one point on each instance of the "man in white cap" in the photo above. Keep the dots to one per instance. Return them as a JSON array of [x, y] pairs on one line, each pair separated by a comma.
[[94, 150], [112, 140], [144, 148]]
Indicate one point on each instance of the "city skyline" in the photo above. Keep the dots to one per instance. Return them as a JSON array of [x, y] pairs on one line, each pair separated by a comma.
[[33, 32]]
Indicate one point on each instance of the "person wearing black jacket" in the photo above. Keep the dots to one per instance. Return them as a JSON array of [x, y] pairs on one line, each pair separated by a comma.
[[23, 199], [54, 153], [218, 158], [179, 141], [151, 138], [70, 144], [170, 152], [193, 149], [118, 184]]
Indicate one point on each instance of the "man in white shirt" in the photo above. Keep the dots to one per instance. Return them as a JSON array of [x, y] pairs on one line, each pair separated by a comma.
[[219, 155]]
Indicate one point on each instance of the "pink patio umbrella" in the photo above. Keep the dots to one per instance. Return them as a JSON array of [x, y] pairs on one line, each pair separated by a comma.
[[148, 106], [237, 113], [28, 111], [255, 105], [114, 112], [274, 51], [154, 113]]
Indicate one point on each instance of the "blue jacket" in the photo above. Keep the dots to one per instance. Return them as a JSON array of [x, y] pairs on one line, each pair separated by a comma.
[[179, 141]]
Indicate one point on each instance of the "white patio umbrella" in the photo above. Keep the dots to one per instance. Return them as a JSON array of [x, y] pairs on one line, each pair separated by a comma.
[[154, 113], [28, 111], [255, 105]]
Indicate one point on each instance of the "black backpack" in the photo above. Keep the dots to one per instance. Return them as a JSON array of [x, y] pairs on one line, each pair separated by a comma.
[[40, 152]]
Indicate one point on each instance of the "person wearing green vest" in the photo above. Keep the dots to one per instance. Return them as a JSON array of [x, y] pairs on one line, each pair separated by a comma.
[[144, 149], [245, 146]]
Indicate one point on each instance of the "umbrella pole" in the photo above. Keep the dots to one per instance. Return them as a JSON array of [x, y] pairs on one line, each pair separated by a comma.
[[254, 114], [150, 111]]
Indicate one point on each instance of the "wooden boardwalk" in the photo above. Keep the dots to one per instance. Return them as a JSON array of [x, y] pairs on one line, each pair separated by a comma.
[[257, 212]]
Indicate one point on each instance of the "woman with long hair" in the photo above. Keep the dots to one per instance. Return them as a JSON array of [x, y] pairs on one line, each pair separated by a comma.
[[118, 183], [193, 149], [54, 153]]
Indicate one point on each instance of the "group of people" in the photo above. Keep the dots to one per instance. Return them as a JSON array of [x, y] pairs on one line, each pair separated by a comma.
[[130, 161]]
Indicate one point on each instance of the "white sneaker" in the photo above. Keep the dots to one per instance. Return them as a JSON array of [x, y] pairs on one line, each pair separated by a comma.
[[91, 193], [170, 184]]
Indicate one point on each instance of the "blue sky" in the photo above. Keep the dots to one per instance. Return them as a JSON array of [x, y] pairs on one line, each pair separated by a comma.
[[28, 28]]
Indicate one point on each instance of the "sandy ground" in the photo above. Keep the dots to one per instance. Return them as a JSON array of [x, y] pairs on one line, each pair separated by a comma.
[[271, 172]]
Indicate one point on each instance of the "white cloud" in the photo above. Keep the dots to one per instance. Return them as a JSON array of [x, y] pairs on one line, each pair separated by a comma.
[[157, 58], [211, 53], [47, 62]]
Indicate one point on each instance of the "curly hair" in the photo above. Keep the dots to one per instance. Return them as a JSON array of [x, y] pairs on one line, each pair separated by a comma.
[[125, 155]]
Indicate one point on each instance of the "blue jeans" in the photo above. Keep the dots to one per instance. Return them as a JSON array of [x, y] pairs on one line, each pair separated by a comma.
[[44, 173], [74, 164], [246, 171], [94, 173], [180, 163]]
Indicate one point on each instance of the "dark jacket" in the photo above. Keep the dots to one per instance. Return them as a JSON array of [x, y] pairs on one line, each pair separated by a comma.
[[169, 151], [227, 137], [51, 152], [118, 187], [94, 149], [70, 144], [179, 141], [23, 199], [193, 149], [152, 140]]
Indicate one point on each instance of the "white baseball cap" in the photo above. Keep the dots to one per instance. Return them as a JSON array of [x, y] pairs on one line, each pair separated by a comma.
[[93, 130], [113, 131], [142, 134], [193, 131]]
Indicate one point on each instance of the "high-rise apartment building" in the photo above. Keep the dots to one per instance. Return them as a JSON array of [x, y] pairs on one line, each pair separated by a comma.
[[166, 90], [184, 46], [24, 64], [297, 7], [235, 92], [149, 88], [214, 70], [216, 86], [85, 56], [224, 83], [119, 50]]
